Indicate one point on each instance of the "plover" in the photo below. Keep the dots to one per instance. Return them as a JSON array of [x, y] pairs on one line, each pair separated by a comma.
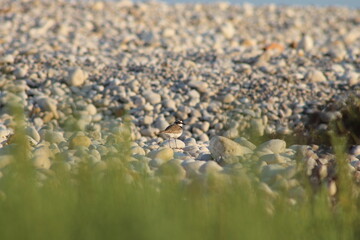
[[173, 131]]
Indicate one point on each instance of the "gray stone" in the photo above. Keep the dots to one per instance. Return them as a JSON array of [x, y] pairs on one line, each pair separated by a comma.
[[210, 167], [271, 146], [172, 170], [192, 167], [76, 77], [204, 137], [269, 172], [173, 143], [147, 120], [273, 158], [41, 158], [156, 162], [221, 147], [8, 58], [49, 105], [151, 97], [137, 150], [228, 98], [54, 137], [205, 157], [164, 153], [161, 123], [352, 78], [246, 143], [315, 76], [200, 86], [31, 131], [190, 141], [91, 109], [231, 133], [170, 104], [192, 150], [79, 141], [257, 127]]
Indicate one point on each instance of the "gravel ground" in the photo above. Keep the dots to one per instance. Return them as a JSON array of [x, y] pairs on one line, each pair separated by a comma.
[[85, 72]]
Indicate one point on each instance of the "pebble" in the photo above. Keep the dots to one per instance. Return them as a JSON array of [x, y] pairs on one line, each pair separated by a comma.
[[228, 98], [161, 123], [200, 86], [31, 132], [315, 76], [257, 127], [137, 150], [193, 167], [273, 158], [8, 58], [173, 170], [164, 154], [41, 158], [221, 147], [246, 143], [79, 141], [272, 146], [156, 162], [192, 142], [210, 167], [49, 105], [76, 77], [151, 97], [54, 137], [173, 143]]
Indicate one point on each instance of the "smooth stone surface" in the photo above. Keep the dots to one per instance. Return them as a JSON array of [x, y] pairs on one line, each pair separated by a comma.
[[76, 77], [163, 153], [272, 146], [79, 141], [192, 167], [137, 150], [257, 127], [151, 97], [200, 86], [273, 158], [315, 76], [210, 167], [221, 147], [173, 143], [173, 170], [33, 133], [156, 162], [246, 143]]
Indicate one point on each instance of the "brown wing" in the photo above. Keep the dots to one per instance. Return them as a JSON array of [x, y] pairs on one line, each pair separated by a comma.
[[172, 128]]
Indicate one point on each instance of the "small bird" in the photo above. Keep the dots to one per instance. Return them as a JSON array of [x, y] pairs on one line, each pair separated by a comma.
[[174, 131]]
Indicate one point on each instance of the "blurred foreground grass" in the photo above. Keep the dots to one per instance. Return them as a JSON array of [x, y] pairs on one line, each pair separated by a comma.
[[89, 206], [116, 204]]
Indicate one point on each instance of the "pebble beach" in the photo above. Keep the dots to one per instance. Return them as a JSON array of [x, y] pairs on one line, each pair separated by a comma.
[[93, 75]]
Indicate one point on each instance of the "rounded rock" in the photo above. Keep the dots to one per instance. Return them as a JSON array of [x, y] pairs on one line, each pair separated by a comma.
[[210, 167], [79, 141], [221, 147], [173, 143], [165, 154], [151, 97], [76, 77]]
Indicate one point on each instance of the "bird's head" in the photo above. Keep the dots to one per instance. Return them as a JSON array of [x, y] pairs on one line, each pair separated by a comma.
[[179, 122]]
